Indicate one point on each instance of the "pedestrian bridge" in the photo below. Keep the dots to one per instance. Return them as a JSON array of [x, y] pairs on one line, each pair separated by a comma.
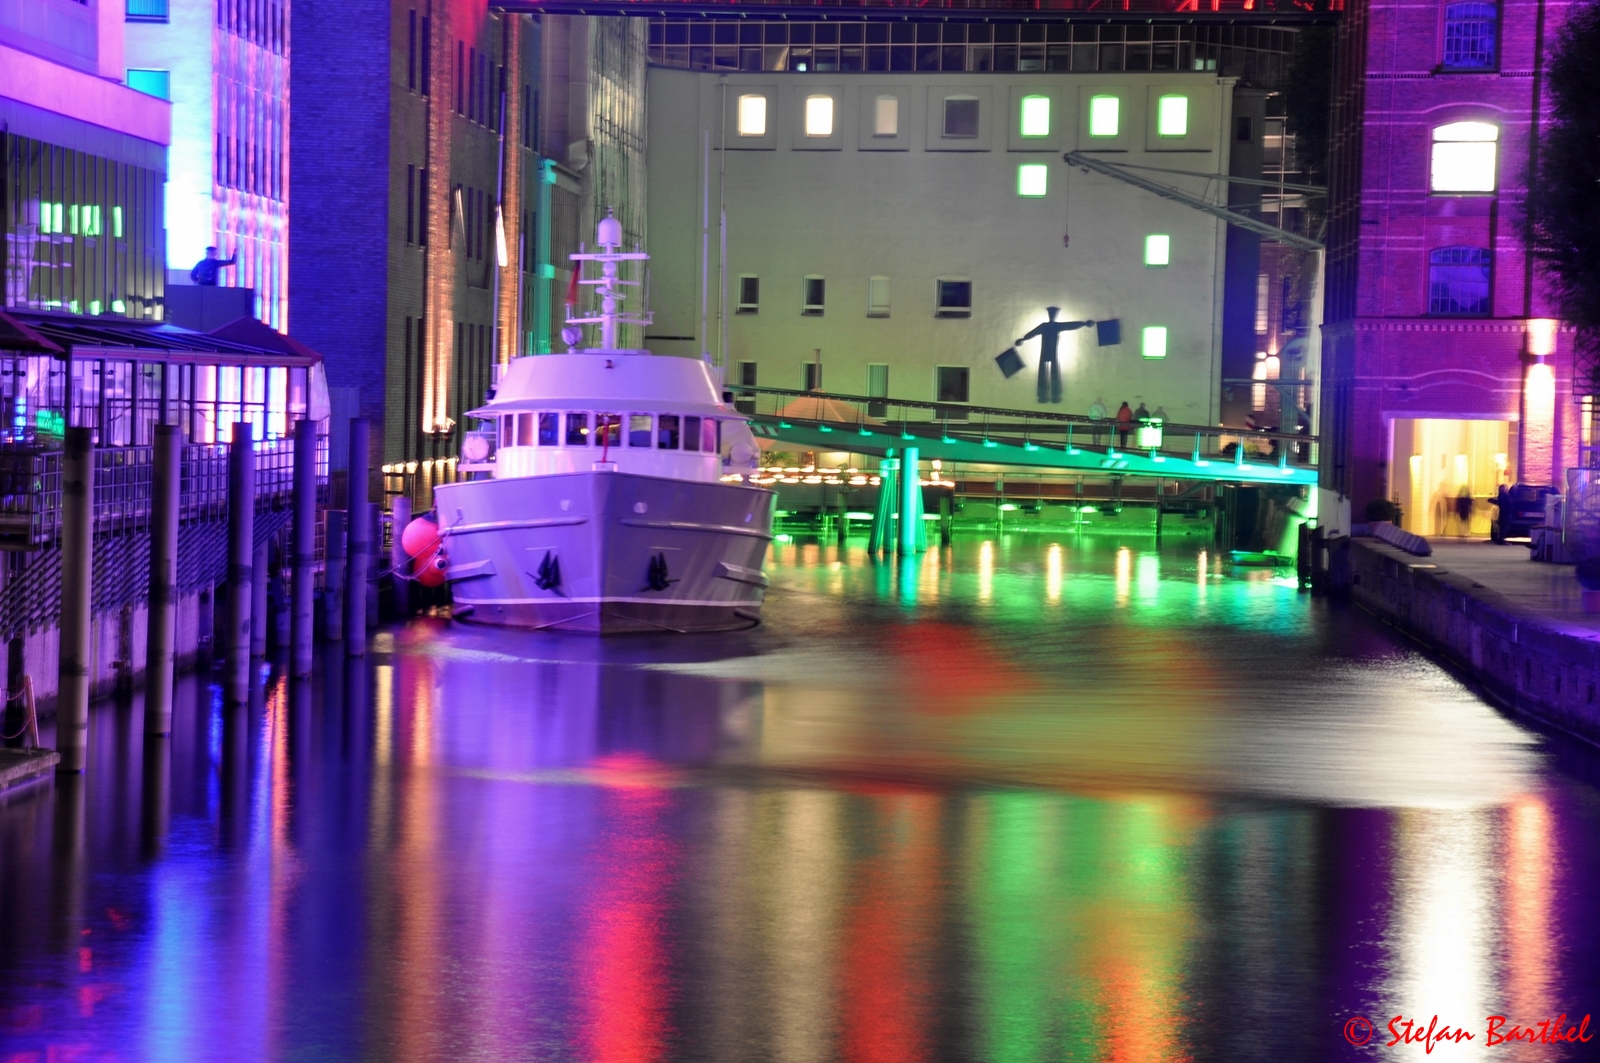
[[1034, 439]]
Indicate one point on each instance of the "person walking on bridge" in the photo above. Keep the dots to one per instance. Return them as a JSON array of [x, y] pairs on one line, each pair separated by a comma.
[[1049, 371], [1124, 422], [1097, 414]]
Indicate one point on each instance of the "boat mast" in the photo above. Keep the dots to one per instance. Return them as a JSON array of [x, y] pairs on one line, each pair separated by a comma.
[[609, 284]]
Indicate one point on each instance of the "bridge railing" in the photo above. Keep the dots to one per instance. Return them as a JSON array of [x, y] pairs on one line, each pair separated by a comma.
[[969, 422]]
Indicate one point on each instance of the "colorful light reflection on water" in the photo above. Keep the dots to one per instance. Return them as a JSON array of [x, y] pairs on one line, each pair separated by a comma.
[[1023, 800]]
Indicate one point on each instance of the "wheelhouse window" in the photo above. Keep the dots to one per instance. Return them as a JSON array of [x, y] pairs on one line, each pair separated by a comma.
[[691, 433], [1471, 32], [577, 429], [667, 432], [1464, 157], [524, 429], [549, 429], [639, 429], [1458, 281], [608, 429]]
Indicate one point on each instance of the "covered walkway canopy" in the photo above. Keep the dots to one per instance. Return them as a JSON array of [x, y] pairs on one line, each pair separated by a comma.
[[127, 376]]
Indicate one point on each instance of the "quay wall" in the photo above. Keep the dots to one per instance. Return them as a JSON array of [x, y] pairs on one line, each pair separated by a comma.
[[1524, 661], [118, 638]]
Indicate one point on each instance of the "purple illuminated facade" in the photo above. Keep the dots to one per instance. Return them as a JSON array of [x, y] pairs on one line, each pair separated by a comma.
[[1436, 385]]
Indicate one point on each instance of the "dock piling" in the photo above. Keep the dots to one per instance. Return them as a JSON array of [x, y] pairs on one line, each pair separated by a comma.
[[241, 561], [260, 571], [161, 633], [304, 547], [77, 559], [333, 577], [358, 557]]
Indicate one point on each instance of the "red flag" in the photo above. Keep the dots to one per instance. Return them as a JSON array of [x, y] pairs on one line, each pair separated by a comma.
[[572, 285]]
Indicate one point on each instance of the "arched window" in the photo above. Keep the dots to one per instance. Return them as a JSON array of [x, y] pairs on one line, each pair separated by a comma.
[[1458, 281], [1464, 157], [1470, 32]]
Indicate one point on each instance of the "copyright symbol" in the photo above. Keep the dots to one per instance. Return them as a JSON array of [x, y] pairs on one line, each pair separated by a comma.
[[1358, 1030]]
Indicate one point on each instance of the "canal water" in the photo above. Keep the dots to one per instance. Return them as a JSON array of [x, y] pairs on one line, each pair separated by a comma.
[[1020, 800]]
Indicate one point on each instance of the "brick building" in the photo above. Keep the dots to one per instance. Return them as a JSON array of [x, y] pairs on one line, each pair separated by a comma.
[[398, 166], [1445, 372]]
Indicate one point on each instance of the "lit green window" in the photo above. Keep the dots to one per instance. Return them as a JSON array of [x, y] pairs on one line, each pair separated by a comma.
[[1154, 341], [1105, 114], [1035, 116], [1157, 249], [1032, 179], [1172, 116]]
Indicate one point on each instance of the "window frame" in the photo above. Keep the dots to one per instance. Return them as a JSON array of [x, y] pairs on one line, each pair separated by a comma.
[[1435, 144], [1166, 250], [1156, 339], [952, 310], [1090, 123], [1181, 112], [1495, 38], [808, 308], [977, 118], [812, 113], [740, 115], [1022, 116], [744, 306], [965, 377], [874, 307], [1026, 172], [1487, 265]]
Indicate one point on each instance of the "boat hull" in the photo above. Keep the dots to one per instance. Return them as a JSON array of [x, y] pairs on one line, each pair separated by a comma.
[[606, 552]]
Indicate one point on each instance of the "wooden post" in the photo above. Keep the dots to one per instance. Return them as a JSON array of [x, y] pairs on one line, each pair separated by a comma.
[[161, 635], [77, 578], [399, 563], [358, 558], [304, 547], [333, 577], [260, 570], [241, 561]]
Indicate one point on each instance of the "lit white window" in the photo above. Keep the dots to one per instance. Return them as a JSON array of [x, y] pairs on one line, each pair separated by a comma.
[[1172, 116], [878, 297], [819, 116], [1263, 291], [1032, 179], [1464, 157], [1153, 341], [1035, 116], [886, 117], [752, 116], [1157, 249], [1105, 116]]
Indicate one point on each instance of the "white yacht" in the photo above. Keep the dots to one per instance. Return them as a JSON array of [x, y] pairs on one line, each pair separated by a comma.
[[613, 500]]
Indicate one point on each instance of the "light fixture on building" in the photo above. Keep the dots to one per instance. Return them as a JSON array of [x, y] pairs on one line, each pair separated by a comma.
[[1542, 336]]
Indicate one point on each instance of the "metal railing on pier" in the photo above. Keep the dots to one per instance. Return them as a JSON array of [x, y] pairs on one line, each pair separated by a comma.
[[30, 488]]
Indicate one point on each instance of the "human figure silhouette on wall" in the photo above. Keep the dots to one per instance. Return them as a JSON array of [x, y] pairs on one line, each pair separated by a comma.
[[1049, 369]]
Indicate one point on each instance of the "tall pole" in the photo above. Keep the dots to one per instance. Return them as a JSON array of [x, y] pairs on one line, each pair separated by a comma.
[[241, 560], [910, 500], [333, 576], [399, 563], [161, 635], [359, 535], [304, 547], [544, 269], [77, 559]]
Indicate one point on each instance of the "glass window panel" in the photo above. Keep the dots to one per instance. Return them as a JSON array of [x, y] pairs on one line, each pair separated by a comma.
[[524, 429], [639, 429], [1035, 116], [1157, 249], [819, 116], [549, 429], [1153, 342], [886, 117], [752, 116], [1105, 116], [608, 429], [577, 429], [1172, 116], [1033, 178], [667, 432], [960, 117]]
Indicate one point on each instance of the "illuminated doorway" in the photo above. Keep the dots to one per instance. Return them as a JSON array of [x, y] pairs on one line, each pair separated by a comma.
[[1445, 473]]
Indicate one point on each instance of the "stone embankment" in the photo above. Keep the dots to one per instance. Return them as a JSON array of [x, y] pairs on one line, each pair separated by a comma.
[[1532, 660]]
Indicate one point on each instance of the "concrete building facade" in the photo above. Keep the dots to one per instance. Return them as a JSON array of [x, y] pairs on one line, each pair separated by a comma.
[[890, 234], [224, 65], [1447, 373], [82, 161]]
